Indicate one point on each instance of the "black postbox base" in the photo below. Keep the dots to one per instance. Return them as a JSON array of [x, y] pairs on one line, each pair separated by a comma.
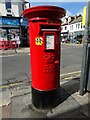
[[45, 99]]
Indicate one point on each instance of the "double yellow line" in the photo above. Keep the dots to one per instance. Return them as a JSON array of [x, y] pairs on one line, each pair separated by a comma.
[[10, 85], [62, 75], [71, 73]]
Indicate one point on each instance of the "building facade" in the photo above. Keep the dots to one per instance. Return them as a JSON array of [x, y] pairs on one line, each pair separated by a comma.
[[12, 23], [72, 29]]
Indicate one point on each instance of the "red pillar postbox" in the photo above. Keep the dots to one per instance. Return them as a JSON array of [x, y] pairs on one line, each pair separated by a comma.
[[44, 35]]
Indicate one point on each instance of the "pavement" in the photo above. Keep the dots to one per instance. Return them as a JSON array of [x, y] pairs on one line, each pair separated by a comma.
[[15, 51], [25, 50], [16, 102]]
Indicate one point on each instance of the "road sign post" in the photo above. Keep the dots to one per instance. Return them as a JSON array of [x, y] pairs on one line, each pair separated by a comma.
[[85, 63], [88, 83]]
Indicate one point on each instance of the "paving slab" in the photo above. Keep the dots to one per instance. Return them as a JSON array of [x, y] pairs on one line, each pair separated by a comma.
[[22, 108], [71, 104]]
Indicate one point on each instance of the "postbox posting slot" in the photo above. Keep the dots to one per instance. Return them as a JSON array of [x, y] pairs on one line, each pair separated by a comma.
[[51, 27], [49, 42]]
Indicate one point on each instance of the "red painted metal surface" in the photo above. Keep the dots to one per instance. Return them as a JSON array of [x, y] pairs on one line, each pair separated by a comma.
[[45, 12], [13, 44], [4, 44], [8, 44], [45, 63], [1, 44]]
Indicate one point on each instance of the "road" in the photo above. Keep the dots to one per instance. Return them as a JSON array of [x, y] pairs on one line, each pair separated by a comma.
[[71, 58], [18, 66]]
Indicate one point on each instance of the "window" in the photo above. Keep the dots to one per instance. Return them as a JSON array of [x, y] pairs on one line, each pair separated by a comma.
[[78, 25], [8, 5], [9, 15], [72, 27], [25, 5], [65, 28], [9, 10], [81, 25]]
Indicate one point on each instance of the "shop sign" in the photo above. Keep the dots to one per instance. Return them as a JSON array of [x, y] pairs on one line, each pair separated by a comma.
[[84, 16], [0, 21], [24, 22], [9, 21]]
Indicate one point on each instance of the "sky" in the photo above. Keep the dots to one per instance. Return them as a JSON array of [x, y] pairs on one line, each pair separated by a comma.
[[72, 8]]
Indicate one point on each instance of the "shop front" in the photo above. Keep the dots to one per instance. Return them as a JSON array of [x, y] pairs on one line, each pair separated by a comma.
[[9, 32], [24, 32], [80, 36], [13, 30], [64, 37], [76, 37]]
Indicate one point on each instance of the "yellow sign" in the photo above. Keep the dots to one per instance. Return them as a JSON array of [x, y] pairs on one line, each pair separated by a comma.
[[84, 16], [39, 40]]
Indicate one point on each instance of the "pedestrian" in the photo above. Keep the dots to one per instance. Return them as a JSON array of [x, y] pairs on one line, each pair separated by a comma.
[[18, 42]]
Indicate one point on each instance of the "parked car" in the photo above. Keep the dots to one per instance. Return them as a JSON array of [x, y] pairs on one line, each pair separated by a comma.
[[79, 41], [63, 40], [68, 40]]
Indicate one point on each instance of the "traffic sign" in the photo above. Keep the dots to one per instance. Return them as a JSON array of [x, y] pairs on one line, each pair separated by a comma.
[[84, 16]]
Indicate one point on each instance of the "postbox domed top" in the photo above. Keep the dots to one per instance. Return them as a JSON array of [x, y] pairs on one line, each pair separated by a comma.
[[44, 12]]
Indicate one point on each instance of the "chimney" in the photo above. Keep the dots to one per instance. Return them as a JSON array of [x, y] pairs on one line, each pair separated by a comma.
[[75, 17]]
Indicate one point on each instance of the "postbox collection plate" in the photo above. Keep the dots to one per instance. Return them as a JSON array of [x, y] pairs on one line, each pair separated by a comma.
[[49, 40]]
